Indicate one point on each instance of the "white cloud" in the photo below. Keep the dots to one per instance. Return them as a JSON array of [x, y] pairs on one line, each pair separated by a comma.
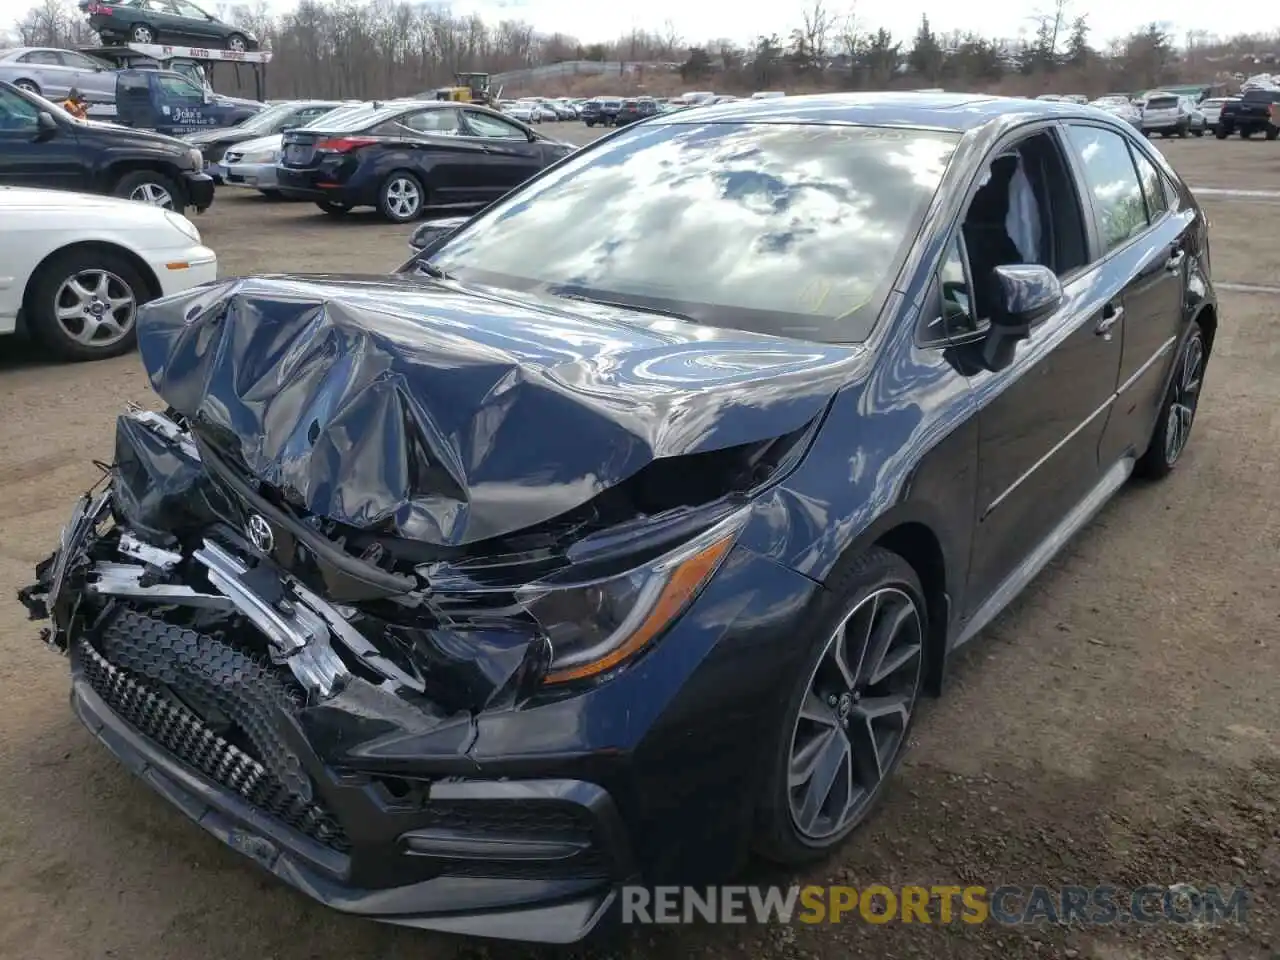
[[740, 20]]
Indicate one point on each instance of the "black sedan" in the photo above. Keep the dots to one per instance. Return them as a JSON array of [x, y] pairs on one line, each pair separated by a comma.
[[407, 157], [164, 21], [624, 529]]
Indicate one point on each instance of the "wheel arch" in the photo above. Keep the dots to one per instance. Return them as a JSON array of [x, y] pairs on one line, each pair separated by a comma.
[[1207, 317], [27, 80], [144, 269], [917, 544]]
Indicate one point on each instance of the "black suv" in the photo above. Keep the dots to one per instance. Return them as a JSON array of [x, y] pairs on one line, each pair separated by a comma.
[[638, 109], [601, 110], [41, 145]]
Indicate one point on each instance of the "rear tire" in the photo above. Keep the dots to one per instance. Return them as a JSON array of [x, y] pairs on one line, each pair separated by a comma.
[[334, 208], [1246, 134], [1177, 415], [141, 33], [1273, 132], [401, 198], [147, 186], [1222, 133], [819, 709], [1182, 132], [1197, 133], [237, 43], [76, 298]]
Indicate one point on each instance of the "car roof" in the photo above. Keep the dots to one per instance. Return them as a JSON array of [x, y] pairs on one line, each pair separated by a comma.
[[959, 112]]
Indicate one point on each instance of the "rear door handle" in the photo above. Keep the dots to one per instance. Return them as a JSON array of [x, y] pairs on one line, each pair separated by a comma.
[[1174, 263], [1111, 315]]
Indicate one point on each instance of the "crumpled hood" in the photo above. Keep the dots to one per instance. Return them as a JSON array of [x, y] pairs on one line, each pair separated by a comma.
[[455, 415]]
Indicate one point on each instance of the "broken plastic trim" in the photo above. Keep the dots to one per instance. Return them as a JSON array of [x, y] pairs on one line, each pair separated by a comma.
[[598, 625]]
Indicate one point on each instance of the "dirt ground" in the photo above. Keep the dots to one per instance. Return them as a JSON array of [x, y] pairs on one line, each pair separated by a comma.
[[1119, 724]]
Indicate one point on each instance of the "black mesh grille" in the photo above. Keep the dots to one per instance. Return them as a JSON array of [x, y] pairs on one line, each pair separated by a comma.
[[536, 819], [184, 735]]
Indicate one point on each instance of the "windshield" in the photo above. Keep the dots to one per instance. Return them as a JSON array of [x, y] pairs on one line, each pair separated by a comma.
[[269, 119], [788, 229], [357, 118]]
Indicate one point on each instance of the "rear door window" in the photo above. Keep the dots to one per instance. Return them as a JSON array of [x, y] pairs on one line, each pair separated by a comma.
[[1119, 209]]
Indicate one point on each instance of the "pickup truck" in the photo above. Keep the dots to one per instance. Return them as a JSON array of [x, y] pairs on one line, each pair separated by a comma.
[[1248, 114]]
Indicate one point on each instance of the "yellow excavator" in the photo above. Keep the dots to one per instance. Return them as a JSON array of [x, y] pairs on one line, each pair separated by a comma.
[[468, 88]]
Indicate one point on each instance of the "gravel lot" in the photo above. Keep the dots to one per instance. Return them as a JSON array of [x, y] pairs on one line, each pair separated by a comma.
[[1119, 724]]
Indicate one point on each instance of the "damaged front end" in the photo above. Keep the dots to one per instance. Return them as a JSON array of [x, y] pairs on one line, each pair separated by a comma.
[[209, 653], [400, 596]]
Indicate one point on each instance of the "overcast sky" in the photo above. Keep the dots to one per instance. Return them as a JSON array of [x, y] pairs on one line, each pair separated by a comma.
[[741, 20]]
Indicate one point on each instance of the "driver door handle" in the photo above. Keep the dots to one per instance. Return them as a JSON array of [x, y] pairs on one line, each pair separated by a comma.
[[1174, 263], [1111, 315]]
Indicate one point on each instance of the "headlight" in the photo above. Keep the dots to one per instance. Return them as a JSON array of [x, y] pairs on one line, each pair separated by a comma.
[[196, 159], [268, 156], [594, 627], [184, 225]]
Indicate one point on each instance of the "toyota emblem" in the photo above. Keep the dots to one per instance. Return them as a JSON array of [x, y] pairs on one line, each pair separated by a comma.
[[260, 533]]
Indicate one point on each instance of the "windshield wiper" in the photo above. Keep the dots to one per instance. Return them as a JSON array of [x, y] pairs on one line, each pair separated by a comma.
[[434, 272], [656, 311]]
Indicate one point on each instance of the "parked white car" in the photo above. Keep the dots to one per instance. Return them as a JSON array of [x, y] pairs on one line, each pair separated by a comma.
[[1212, 109], [1165, 113], [522, 111], [75, 268]]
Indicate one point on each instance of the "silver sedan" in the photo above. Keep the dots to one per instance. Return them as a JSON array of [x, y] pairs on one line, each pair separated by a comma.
[[52, 73]]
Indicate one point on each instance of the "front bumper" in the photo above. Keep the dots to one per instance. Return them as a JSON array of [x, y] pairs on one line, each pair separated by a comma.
[[198, 188], [183, 268], [521, 819]]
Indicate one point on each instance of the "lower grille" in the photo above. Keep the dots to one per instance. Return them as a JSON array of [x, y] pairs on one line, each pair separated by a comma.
[[186, 737]]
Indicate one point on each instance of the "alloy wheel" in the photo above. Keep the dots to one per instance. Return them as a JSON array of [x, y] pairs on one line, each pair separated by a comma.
[[142, 35], [95, 308], [236, 43], [1186, 397], [403, 198], [853, 720], [152, 193], [28, 86]]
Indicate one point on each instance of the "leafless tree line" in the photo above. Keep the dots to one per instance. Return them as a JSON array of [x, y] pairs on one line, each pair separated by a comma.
[[382, 48]]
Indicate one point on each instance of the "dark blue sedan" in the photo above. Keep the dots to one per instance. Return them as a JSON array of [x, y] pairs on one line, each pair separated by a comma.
[[622, 531]]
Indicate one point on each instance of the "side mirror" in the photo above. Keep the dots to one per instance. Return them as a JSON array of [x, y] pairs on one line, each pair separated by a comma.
[[1028, 294], [45, 122], [434, 231]]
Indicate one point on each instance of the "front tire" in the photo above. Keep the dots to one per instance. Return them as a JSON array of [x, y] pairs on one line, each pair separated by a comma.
[[83, 304], [147, 186], [1172, 431], [401, 197], [850, 709], [28, 85], [141, 33], [237, 43]]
